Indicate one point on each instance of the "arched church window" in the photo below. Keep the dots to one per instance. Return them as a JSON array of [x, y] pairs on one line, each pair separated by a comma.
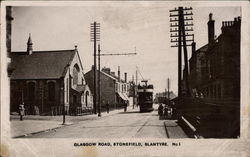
[[76, 71], [86, 98]]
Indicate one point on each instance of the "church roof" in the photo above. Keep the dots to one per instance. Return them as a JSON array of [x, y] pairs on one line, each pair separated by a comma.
[[40, 64]]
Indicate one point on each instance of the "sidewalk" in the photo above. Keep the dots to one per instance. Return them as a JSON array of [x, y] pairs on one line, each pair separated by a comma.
[[33, 124], [173, 129]]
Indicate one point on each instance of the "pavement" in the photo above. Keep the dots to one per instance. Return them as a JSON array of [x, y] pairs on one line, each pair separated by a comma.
[[33, 124], [173, 129]]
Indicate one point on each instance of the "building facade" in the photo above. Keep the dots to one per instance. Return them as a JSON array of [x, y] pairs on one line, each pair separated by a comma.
[[215, 67], [215, 82], [46, 81], [113, 90]]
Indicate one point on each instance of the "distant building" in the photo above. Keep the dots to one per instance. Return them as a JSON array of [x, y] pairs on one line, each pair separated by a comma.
[[45, 81], [215, 67], [163, 97], [113, 89]]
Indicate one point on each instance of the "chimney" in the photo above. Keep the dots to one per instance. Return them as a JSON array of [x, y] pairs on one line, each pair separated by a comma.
[[193, 48], [119, 77], [29, 46], [125, 77], [210, 25]]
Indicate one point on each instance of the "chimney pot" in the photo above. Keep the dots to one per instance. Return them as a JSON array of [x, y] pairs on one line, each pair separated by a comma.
[[210, 17], [119, 77], [210, 25], [125, 77]]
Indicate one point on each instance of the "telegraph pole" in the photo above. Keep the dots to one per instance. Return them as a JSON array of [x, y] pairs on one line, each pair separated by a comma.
[[94, 37], [99, 82], [181, 18], [168, 92], [136, 86]]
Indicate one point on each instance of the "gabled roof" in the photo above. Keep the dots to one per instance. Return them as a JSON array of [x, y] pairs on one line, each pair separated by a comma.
[[40, 64]]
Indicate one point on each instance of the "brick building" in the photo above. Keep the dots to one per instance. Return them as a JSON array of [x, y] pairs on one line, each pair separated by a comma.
[[113, 89], [215, 67], [215, 82], [45, 81]]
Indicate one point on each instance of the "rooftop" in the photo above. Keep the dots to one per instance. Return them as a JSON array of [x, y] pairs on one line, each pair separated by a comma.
[[40, 64]]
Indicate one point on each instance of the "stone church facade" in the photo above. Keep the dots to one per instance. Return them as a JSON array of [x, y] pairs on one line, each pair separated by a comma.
[[47, 81]]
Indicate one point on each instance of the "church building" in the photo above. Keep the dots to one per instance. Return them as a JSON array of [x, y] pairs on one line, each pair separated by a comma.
[[47, 81]]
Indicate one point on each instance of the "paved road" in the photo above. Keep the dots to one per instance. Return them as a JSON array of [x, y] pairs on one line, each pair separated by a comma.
[[131, 124]]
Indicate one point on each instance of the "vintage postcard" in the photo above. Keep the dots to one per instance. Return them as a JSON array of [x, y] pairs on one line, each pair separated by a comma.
[[125, 78]]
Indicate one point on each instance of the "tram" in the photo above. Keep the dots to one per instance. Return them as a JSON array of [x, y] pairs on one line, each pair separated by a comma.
[[145, 97]]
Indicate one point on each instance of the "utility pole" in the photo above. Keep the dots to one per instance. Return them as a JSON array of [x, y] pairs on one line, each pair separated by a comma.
[[168, 91], [99, 83], [136, 86], [94, 37], [181, 20]]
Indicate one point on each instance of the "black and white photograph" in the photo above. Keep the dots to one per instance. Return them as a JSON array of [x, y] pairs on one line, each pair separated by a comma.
[[133, 74]]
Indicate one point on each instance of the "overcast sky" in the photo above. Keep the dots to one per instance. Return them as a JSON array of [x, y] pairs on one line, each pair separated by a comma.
[[124, 26]]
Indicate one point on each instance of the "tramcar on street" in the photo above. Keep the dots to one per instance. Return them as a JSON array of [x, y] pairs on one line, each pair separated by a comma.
[[145, 97]]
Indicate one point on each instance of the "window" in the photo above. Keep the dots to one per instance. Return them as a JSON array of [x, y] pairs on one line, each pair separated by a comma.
[[76, 71], [51, 91], [31, 91], [86, 98]]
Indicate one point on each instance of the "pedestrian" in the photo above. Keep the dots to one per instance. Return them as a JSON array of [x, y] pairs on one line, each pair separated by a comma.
[[160, 110], [165, 112], [107, 106], [21, 111], [169, 112], [125, 106]]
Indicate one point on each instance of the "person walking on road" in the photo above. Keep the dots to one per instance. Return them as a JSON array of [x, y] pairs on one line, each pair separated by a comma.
[[21, 111], [160, 110]]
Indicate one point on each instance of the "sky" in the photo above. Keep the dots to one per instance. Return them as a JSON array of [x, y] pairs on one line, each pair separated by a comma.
[[124, 26]]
